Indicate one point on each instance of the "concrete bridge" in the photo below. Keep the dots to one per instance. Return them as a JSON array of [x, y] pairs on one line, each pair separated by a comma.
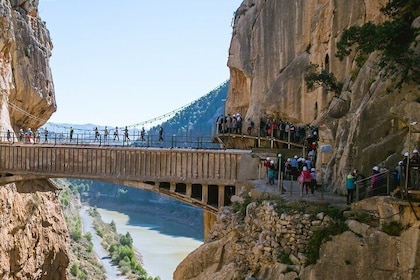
[[204, 178]]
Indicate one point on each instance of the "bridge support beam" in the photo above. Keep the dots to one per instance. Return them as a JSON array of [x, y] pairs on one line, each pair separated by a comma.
[[209, 220], [205, 194], [188, 190], [221, 196], [172, 187]]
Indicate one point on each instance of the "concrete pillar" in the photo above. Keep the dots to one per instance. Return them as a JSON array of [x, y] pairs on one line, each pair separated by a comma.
[[205, 194], [221, 199], [209, 220], [172, 187], [188, 190]]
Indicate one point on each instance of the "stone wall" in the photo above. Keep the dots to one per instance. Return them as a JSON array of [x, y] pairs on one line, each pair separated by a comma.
[[271, 243]]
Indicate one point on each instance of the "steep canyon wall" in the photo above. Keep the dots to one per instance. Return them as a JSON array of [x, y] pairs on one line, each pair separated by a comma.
[[33, 233], [272, 44]]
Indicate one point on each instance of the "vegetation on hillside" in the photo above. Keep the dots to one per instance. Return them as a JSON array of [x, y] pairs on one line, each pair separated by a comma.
[[199, 118], [393, 38], [120, 248], [83, 260]]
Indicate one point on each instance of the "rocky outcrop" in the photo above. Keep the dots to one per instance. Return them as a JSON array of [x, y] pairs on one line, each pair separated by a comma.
[[273, 241], [26, 86], [272, 44], [33, 233]]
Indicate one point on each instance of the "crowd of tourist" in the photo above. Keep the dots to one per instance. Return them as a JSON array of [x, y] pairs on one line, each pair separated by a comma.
[[267, 127]]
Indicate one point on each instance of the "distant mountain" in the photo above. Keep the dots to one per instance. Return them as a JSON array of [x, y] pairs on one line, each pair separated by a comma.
[[197, 119]]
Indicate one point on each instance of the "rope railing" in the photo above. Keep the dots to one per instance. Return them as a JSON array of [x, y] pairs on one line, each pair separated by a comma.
[[134, 140]]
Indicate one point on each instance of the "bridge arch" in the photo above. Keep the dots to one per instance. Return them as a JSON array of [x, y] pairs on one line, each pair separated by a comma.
[[203, 178]]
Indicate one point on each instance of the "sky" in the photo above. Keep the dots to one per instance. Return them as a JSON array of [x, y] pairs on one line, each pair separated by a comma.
[[120, 63]]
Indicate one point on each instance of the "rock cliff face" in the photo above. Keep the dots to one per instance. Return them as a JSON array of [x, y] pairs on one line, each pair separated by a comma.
[[27, 90], [33, 233], [272, 44], [272, 243]]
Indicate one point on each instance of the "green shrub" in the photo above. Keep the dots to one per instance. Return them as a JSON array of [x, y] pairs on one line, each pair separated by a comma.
[[126, 240], [241, 206], [337, 227], [76, 235], [74, 269], [88, 236], [393, 228]]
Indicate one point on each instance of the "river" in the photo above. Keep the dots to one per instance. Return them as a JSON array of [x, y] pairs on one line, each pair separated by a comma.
[[161, 252]]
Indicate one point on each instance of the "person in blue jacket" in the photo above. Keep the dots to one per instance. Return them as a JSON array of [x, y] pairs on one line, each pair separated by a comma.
[[350, 186]]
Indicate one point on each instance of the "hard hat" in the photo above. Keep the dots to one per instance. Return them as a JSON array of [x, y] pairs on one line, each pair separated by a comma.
[[415, 151], [295, 156], [375, 168], [406, 154], [400, 162], [304, 168], [272, 162], [312, 169], [268, 159]]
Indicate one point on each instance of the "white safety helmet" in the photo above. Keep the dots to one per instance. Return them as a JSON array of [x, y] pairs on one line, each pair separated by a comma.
[[415, 151], [406, 154], [268, 159], [295, 156], [304, 168], [375, 168], [312, 169], [272, 162], [400, 162]]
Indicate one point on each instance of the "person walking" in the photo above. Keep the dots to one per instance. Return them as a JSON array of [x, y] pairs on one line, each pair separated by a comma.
[[126, 138], [350, 186], [96, 134]]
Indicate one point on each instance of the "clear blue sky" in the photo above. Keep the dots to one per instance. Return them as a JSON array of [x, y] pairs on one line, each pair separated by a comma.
[[124, 62]]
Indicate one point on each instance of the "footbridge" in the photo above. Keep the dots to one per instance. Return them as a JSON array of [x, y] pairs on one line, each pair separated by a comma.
[[204, 178]]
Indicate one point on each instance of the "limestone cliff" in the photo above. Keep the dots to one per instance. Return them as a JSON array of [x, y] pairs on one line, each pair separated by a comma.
[[272, 44], [26, 86], [33, 233]]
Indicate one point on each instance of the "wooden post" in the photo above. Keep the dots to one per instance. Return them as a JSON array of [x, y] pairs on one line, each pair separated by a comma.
[[221, 194]]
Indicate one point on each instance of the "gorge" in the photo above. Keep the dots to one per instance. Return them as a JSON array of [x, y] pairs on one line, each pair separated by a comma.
[[273, 42]]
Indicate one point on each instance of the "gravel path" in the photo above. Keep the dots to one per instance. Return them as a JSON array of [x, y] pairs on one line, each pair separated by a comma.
[[112, 271]]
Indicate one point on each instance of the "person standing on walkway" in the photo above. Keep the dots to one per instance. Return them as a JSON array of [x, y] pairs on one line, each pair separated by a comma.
[[106, 133], [350, 186], [8, 135], [71, 133], [116, 134], [142, 134], [126, 138], [46, 134], [161, 134]]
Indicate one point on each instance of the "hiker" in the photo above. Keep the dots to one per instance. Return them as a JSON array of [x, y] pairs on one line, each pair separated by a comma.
[[350, 186]]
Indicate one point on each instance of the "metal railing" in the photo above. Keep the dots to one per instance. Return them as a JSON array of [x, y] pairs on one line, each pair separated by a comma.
[[89, 138], [382, 186]]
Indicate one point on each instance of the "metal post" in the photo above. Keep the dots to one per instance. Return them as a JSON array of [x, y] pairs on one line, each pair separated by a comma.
[[280, 181]]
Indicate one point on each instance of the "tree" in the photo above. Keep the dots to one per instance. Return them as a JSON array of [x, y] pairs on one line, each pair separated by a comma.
[[392, 38]]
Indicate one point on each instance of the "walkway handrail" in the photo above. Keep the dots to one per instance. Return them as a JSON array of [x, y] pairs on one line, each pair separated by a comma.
[[364, 188]]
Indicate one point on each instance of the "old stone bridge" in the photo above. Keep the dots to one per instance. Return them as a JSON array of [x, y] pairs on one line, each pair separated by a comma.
[[204, 178]]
